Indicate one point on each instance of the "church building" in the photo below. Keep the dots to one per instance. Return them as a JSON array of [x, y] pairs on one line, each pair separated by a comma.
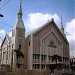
[[44, 48]]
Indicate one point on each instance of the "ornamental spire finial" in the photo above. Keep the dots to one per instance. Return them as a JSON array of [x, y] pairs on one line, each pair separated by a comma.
[[20, 11], [20, 3]]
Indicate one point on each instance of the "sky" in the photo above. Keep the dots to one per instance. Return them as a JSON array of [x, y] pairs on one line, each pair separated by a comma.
[[38, 12]]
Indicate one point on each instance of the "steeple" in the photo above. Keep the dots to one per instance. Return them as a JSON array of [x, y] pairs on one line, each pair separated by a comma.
[[18, 38], [61, 26], [20, 11], [19, 22]]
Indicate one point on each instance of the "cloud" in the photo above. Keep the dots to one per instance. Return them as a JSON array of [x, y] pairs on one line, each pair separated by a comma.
[[70, 28], [35, 20], [2, 33], [10, 34]]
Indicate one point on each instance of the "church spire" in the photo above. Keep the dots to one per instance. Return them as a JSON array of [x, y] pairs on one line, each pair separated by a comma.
[[19, 22], [20, 3], [20, 11], [61, 27]]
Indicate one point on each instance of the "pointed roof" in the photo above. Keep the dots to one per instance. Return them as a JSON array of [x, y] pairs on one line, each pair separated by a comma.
[[19, 22], [6, 37], [46, 24], [20, 11], [39, 28]]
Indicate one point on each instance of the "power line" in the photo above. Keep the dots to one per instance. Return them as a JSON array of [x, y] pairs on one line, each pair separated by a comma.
[[5, 4], [5, 24], [5, 29]]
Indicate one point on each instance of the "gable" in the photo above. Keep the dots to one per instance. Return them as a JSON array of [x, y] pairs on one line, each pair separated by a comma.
[[5, 40], [45, 30], [51, 39], [47, 27], [41, 34]]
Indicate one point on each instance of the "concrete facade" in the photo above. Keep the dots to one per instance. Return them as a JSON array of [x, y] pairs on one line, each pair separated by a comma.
[[6, 50], [0, 54], [40, 50], [38, 47]]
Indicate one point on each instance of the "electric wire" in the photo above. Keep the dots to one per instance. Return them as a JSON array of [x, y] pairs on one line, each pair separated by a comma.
[[6, 24], [5, 4], [4, 29]]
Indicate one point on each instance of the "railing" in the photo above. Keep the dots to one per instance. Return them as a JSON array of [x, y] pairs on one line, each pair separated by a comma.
[[36, 61]]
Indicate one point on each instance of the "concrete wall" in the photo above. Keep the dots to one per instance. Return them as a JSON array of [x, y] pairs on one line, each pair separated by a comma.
[[34, 72]]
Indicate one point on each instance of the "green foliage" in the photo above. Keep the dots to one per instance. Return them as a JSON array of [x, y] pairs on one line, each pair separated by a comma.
[[19, 54], [56, 57]]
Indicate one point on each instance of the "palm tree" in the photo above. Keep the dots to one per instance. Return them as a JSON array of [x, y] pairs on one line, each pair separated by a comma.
[[56, 58], [18, 55]]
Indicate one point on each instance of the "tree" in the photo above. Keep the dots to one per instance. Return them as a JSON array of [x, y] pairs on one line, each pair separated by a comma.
[[19, 54], [56, 58]]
